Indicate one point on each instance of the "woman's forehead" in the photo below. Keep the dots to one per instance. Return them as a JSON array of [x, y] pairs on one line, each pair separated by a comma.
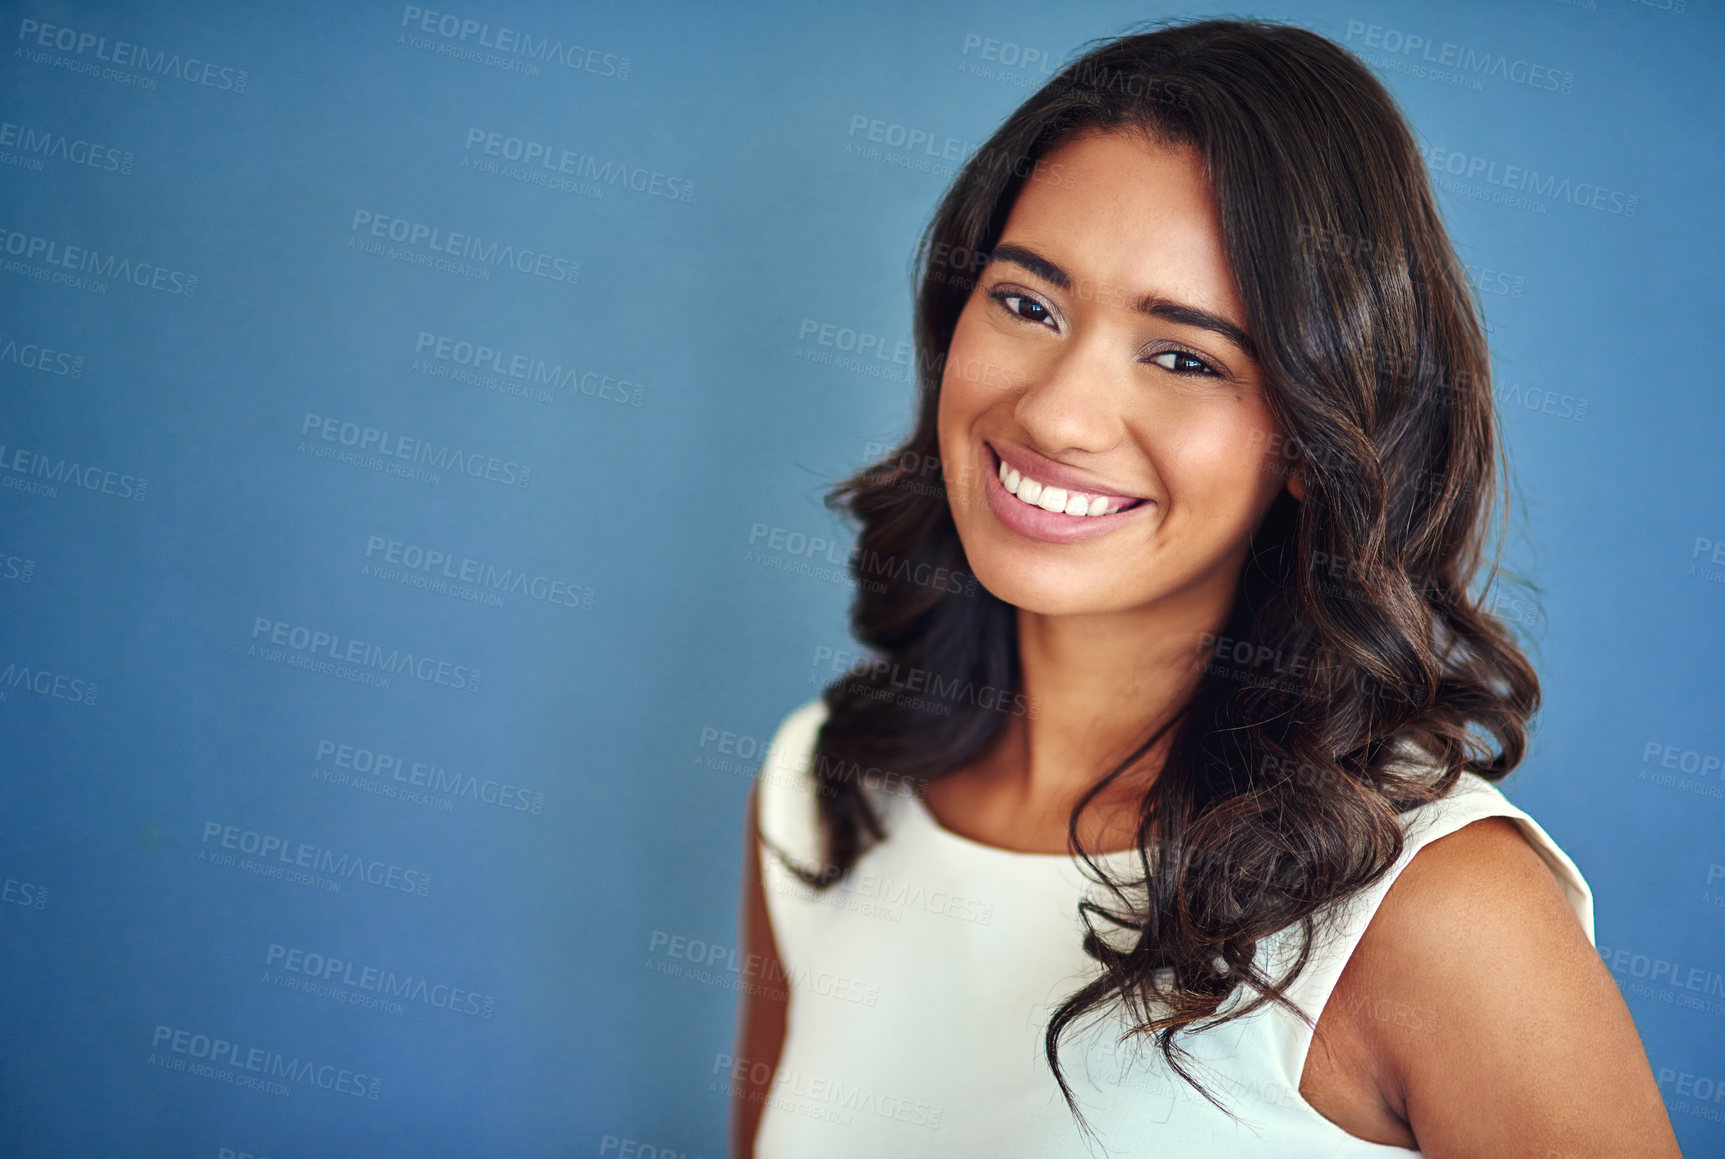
[[1128, 216]]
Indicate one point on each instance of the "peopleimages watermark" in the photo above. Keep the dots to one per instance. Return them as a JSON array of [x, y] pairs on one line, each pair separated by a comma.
[[84, 268], [89, 52], [1648, 976], [376, 448], [1692, 771], [375, 764], [887, 676], [888, 897], [925, 474], [1474, 64], [464, 35], [530, 371], [21, 469], [446, 572], [1700, 1095], [717, 964], [33, 145], [24, 893], [818, 1096], [621, 1148], [1252, 664], [279, 853], [16, 568], [994, 59], [1457, 172], [854, 565], [744, 756], [248, 1061], [908, 138], [44, 682], [42, 358], [925, 151], [851, 349], [1714, 551], [1715, 873], [311, 645], [360, 985], [1384, 260], [541, 163], [465, 247]]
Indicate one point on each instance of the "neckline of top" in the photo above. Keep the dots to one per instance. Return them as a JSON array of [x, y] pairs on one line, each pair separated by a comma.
[[920, 809]]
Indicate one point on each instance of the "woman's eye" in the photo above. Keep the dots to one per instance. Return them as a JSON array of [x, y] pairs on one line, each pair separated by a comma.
[[1024, 306], [1181, 362]]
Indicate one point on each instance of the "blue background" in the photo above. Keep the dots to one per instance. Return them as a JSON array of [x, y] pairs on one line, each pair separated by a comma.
[[703, 412]]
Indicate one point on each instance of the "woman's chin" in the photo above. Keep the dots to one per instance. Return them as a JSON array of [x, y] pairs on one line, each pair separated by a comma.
[[1044, 594]]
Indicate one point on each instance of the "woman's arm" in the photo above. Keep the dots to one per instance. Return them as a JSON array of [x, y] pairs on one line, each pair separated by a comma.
[[760, 1015], [1524, 1046]]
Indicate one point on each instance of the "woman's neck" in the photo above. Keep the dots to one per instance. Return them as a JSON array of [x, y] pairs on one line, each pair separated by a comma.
[[1096, 686]]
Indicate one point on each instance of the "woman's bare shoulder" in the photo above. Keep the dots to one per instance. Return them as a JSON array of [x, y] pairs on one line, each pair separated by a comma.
[[1525, 1044]]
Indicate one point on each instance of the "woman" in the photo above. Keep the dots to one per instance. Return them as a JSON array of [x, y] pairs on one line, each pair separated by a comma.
[[1201, 853]]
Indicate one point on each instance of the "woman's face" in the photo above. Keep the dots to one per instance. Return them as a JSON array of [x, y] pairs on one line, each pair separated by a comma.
[[1103, 355]]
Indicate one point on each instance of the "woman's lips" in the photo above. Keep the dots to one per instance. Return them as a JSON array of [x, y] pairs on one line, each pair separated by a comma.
[[1051, 474], [1039, 523]]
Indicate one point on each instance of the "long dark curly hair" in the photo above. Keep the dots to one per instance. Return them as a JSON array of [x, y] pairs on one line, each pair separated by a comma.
[[1280, 796]]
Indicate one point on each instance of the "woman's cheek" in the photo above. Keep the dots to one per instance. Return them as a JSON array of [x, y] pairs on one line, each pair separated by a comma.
[[1209, 465], [973, 368]]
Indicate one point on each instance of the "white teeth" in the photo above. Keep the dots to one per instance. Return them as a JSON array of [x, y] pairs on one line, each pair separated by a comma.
[[1055, 499]]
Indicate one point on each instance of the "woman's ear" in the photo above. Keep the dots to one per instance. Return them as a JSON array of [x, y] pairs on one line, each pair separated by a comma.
[[1297, 481]]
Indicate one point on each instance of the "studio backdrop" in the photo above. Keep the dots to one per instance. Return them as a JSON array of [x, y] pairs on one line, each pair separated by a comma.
[[413, 428]]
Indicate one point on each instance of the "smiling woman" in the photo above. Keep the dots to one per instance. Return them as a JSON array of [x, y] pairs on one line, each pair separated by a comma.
[[1202, 853]]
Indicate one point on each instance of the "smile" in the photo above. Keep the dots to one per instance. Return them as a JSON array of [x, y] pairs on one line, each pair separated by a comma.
[[1056, 499], [1048, 511]]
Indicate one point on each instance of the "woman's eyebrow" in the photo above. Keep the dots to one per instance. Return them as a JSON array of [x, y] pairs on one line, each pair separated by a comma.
[[1152, 304], [1035, 263]]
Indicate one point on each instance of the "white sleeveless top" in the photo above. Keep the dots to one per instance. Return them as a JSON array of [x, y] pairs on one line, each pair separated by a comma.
[[920, 987]]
